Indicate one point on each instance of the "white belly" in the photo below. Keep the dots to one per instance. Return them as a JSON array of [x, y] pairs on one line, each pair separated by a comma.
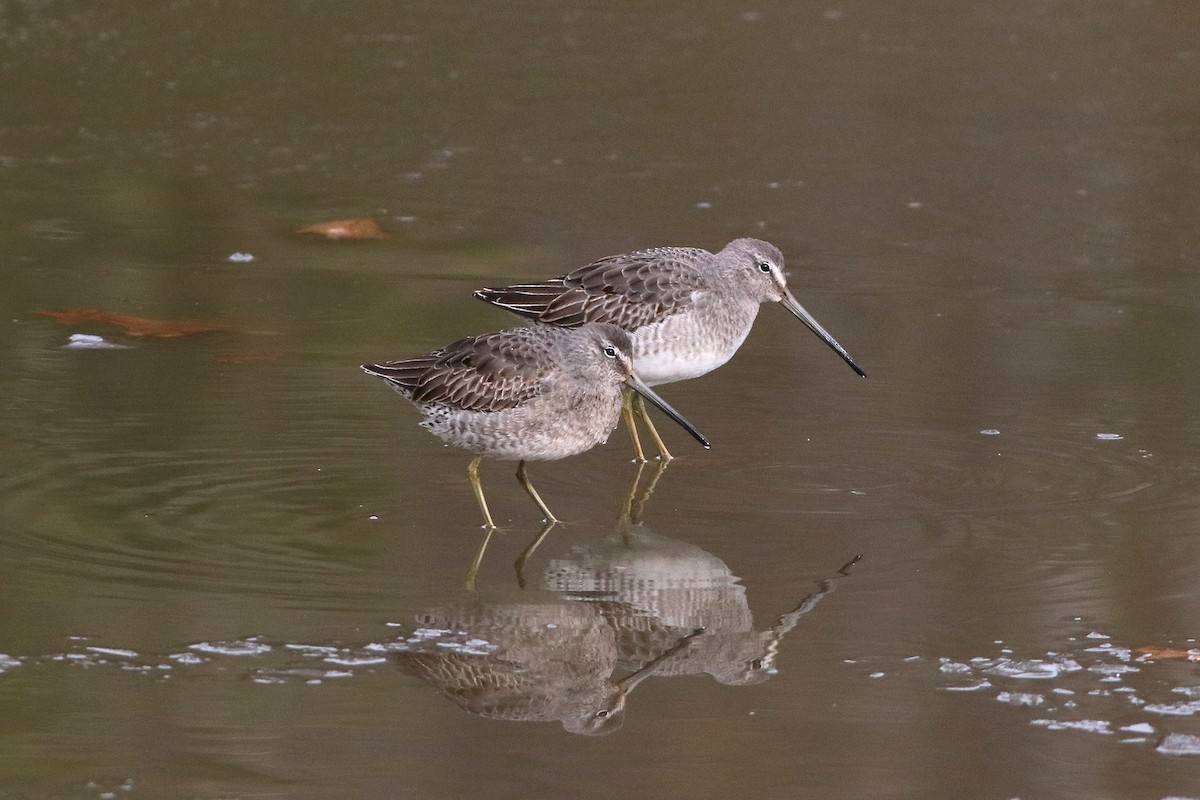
[[668, 366], [678, 349]]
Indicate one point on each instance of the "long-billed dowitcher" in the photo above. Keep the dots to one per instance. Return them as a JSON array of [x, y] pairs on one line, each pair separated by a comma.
[[687, 310], [525, 394]]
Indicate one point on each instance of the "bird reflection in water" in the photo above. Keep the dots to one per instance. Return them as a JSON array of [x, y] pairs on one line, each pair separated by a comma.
[[650, 587], [635, 604], [528, 657]]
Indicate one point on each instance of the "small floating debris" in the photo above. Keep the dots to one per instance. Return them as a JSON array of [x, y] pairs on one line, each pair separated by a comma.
[[1085, 725], [1154, 653], [420, 634], [978, 686], [1112, 669], [186, 658], [241, 647], [1182, 709], [1180, 744], [954, 667], [241, 258], [267, 680], [1028, 669], [362, 228], [990, 432], [312, 650], [356, 661], [1021, 699], [113, 651], [111, 791], [1109, 437], [86, 341], [1098, 699]]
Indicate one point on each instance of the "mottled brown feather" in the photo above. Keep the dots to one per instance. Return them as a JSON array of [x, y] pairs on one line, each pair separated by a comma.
[[490, 372], [628, 290]]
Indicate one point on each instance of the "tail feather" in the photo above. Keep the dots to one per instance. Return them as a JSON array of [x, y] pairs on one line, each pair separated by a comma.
[[403, 376], [528, 300]]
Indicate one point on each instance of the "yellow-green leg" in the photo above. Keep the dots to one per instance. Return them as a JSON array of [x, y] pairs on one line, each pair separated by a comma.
[[636, 497], [640, 406], [631, 426], [474, 570], [627, 505], [528, 487], [473, 473], [639, 502], [519, 564]]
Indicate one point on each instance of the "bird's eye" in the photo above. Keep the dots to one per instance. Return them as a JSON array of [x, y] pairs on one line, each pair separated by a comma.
[[756, 664], [764, 266], [610, 351]]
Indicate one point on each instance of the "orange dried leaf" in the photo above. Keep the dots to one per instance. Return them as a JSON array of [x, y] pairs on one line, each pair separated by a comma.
[[362, 228], [140, 326], [1154, 653]]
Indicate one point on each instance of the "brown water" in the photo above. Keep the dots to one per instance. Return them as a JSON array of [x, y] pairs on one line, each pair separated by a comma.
[[232, 565]]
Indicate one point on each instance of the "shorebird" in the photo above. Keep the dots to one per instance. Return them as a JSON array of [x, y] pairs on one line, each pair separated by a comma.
[[525, 394], [687, 310]]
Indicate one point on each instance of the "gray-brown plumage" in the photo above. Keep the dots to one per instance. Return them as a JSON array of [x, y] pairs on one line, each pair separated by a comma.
[[630, 290], [524, 394], [533, 658], [687, 310]]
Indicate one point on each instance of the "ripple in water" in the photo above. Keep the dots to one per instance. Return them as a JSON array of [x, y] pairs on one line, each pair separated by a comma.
[[977, 472], [232, 501]]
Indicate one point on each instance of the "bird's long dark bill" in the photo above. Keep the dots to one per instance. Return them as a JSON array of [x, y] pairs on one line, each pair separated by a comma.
[[636, 384], [791, 305], [630, 682]]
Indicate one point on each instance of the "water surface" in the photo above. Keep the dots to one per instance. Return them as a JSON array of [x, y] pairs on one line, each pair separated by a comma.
[[226, 559]]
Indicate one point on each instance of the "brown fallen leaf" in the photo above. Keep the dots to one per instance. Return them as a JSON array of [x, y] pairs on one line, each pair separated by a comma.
[[362, 228], [142, 326], [1154, 653]]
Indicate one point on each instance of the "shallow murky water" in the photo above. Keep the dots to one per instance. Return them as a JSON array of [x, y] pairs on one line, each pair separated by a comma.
[[231, 565]]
